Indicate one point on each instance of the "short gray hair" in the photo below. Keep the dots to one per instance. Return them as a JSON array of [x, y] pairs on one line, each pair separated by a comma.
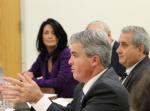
[[94, 43], [140, 36], [102, 26]]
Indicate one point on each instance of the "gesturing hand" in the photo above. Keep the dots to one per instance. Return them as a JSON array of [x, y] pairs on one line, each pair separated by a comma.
[[23, 90]]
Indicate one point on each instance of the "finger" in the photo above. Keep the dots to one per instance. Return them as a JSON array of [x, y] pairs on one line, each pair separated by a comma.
[[22, 72], [28, 78], [14, 100], [22, 77], [12, 87], [27, 72], [13, 81], [9, 95]]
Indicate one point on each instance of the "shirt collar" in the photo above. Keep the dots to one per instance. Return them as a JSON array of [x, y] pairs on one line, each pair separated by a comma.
[[112, 43], [128, 70], [88, 85]]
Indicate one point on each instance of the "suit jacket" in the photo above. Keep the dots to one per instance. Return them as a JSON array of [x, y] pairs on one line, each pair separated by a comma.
[[60, 78], [120, 69], [106, 94], [137, 73]]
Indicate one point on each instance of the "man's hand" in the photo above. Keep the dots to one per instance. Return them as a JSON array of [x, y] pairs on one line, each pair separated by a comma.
[[30, 74], [23, 90], [1, 87]]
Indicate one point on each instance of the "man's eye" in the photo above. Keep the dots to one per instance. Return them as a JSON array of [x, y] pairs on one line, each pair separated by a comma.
[[124, 45], [75, 55]]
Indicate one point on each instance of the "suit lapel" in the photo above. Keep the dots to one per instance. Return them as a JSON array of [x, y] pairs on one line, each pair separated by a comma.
[[79, 98], [109, 73], [132, 73], [114, 53], [128, 79]]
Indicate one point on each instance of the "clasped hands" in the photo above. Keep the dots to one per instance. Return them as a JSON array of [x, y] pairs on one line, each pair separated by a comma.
[[23, 90]]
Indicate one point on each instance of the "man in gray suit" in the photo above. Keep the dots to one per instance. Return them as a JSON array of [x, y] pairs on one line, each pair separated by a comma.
[[133, 53], [99, 88]]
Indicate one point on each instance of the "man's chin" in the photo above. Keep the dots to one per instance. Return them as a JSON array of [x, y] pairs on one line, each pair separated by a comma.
[[122, 63], [76, 77]]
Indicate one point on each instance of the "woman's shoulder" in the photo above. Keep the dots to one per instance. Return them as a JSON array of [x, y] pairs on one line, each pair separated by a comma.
[[65, 51], [43, 54]]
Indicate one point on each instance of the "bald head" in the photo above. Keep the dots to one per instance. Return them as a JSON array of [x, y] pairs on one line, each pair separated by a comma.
[[100, 26]]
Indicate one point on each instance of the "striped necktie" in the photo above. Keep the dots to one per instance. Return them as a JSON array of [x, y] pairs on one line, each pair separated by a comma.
[[124, 76], [82, 96]]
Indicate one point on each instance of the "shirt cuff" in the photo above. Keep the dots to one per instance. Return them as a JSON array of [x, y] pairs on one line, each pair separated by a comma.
[[42, 104]]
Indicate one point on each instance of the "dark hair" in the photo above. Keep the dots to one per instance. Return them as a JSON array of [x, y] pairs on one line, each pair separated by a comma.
[[60, 34], [140, 94]]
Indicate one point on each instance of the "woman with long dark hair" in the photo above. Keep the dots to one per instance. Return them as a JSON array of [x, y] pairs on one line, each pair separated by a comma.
[[51, 68]]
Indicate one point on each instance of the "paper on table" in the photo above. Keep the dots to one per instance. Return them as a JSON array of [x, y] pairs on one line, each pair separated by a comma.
[[63, 101], [47, 95]]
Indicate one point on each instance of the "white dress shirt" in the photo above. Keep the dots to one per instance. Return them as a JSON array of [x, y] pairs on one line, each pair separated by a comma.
[[128, 70], [88, 85], [112, 43], [42, 104]]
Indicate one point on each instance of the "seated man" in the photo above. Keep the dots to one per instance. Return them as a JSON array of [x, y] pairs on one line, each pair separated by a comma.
[[133, 53], [99, 87]]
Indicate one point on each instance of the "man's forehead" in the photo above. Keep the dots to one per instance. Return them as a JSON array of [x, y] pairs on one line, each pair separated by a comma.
[[125, 37], [75, 47]]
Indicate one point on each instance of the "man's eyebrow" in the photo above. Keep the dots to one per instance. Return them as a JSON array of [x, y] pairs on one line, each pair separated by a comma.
[[123, 43], [73, 52]]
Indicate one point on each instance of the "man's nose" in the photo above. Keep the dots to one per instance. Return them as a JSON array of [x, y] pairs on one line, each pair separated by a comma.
[[118, 50], [70, 61]]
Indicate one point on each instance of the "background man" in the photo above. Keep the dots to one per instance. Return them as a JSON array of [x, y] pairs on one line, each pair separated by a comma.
[[102, 26], [133, 53]]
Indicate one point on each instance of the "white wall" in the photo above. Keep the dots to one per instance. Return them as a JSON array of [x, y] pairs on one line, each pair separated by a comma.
[[74, 15]]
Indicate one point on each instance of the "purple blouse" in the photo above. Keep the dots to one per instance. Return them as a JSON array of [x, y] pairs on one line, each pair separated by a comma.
[[60, 78]]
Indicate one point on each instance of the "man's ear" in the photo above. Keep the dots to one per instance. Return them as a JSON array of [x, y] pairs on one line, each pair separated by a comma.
[[110, 39], [110, 35], [95, 60], [141, 48]]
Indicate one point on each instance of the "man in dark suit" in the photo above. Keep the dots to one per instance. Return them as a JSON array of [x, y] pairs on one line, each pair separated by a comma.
[[102, 26], [133, 53], [99, 88], [106, 94]]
